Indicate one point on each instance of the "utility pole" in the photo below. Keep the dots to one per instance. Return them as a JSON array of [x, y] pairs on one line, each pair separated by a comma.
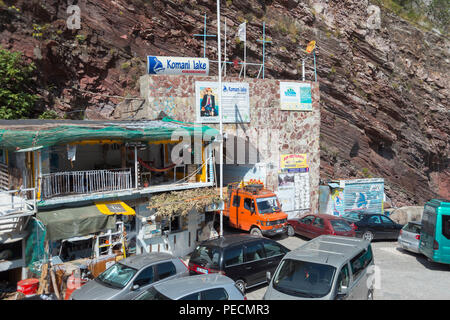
[[220, 116]]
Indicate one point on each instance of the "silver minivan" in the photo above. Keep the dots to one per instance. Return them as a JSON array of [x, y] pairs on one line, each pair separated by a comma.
[[131, 276], [328, 268]]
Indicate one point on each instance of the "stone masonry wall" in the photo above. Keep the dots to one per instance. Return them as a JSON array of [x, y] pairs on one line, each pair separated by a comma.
[[298, 132]]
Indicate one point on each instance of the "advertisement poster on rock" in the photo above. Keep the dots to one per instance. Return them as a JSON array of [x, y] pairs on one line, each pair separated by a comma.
[[235, 102]]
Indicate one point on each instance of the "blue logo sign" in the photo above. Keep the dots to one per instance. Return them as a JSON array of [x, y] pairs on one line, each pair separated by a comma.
[[154, 65]]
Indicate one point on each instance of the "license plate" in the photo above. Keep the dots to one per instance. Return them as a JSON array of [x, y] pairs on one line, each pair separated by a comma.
[[201, 270], [279, 230]]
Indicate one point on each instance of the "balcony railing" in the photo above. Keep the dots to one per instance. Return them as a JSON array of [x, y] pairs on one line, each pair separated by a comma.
[[15, 207], [85, 182]]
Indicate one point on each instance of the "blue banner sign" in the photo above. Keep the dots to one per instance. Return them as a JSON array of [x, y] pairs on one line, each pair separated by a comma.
[[157, 65]]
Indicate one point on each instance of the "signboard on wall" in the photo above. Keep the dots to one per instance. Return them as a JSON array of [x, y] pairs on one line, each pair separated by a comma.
[[235, 102], [294, 162], [295, 96], [158, 65]]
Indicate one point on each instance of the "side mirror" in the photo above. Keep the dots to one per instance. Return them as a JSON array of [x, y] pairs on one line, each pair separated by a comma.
[[268, 276], [135, 287]]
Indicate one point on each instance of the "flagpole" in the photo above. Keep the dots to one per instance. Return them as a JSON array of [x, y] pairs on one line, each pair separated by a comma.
[[245, 49], [220, 115]]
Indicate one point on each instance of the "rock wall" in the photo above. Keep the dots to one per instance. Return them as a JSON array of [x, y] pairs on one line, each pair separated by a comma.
[[384, 81], [287, 132]]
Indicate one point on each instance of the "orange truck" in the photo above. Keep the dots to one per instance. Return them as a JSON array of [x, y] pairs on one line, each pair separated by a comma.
[[256, 209]]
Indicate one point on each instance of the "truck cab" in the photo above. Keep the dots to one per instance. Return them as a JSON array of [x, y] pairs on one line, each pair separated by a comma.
[[256, 209]]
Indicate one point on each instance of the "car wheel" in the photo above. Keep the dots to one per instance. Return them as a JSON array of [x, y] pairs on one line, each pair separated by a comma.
[[290, 231], [368, 235], [241, 285], [256, 232]]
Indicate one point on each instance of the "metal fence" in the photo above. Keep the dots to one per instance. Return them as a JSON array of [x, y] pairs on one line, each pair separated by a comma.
[[16, 206], [79, 182]]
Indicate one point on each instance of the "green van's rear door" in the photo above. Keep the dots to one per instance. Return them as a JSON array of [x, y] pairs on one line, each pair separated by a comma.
[[428, 230]]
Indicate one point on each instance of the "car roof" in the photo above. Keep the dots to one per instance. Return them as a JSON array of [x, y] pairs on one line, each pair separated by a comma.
[[228, 240], [330, 250], [415, 222], [142, 260], [180, 287]]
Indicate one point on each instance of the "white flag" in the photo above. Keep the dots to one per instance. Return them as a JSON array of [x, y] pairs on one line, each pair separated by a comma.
[[241, 32]]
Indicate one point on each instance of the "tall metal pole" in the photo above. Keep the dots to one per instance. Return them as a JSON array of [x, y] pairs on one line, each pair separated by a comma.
[[315, 71], [204, 39], [264, 43], [245, 50], [225, 49], [220, 114]]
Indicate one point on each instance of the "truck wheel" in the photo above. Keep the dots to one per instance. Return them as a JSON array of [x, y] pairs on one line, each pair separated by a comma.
[[290, 231], [255, 232]]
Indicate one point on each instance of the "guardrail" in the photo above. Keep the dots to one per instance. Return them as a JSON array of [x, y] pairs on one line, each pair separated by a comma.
[[80, 182], [16, 206]]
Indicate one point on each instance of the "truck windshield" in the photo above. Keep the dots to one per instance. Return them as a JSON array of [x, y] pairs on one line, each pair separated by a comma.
[[304, 279], [117, 276], [267, 205]]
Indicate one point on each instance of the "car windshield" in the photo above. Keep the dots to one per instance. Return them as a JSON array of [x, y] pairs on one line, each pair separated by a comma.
[[353, 216], [117, 276], [206, 256], [341, 225], [152, 294], [304, 279], [267, 205]]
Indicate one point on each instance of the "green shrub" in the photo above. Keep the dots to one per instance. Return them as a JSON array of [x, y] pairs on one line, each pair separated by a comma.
[[16, 83]]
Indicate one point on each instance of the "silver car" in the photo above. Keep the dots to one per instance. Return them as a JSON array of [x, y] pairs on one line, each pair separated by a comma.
[[213, 286], [328, 268], [131, 276], [409, 238]]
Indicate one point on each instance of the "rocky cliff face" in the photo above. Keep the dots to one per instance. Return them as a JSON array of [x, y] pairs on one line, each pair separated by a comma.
[[384, 81]]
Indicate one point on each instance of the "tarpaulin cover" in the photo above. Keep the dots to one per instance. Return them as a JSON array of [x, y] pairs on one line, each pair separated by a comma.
[[25, 134], [74, 222]]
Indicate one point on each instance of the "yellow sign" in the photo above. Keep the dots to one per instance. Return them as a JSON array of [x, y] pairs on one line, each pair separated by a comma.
[[293, 161], [311, 46], [115, 207]]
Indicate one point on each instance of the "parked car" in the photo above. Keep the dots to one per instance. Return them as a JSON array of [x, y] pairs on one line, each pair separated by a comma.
[[212, 286], [312, 226], [242, 257], [326, 268], [372, 226], [129, 277], [435, 232], [409, 238]]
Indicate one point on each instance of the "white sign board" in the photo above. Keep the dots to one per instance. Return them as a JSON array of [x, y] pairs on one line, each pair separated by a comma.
[[295, 96], [235, 102], [157, 65]]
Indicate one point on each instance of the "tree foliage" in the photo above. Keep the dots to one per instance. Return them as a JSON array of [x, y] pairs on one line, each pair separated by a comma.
[[16, 80]]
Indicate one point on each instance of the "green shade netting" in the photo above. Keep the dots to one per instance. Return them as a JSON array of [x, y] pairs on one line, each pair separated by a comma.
[[145, 131]]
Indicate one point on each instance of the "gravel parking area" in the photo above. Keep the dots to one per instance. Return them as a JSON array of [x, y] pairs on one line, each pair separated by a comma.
[[404, 275]]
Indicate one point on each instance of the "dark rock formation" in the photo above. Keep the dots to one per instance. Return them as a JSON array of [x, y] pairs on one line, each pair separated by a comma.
[[384, 82]]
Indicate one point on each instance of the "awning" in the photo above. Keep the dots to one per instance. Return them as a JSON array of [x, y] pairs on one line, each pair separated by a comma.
[[334, 185], [75, 222], [115, 207]]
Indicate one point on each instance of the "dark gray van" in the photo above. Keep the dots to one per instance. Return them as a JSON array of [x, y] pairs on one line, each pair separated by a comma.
[[242, 257], [327, 267]]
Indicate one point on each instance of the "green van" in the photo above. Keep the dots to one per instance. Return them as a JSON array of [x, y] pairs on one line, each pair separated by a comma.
[[435, 233]]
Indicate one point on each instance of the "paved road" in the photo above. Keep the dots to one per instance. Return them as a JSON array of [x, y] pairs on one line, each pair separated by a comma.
[[404, 275]]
